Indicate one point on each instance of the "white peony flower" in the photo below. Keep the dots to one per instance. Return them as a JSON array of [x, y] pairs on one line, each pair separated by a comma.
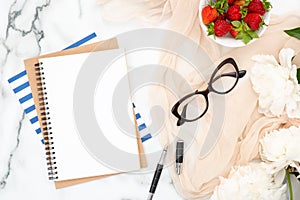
[[281, 148], [276, 84], [251, 182]]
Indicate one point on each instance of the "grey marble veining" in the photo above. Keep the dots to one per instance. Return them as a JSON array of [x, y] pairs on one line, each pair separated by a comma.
[[34, 24], [15, 11], [11, 155], [80, 9], [5, 55]]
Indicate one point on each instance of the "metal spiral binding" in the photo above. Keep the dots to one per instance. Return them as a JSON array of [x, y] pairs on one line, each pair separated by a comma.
[[45, 121]]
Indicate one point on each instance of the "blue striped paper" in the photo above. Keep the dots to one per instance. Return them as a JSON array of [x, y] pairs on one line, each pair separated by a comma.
[[143, 129], [82, 41], [21, 87]]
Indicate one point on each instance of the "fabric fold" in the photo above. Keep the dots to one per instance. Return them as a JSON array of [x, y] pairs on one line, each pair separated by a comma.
[[242, 127]]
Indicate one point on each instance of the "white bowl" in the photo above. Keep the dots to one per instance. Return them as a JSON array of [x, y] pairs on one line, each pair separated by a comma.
[[228, 40]]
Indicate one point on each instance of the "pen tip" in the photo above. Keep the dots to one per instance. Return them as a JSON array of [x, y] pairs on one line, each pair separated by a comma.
[[150, 196], [178, 168]]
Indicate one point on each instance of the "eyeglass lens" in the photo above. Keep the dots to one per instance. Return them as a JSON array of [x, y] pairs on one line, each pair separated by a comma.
[[224, 79], [193, 107]]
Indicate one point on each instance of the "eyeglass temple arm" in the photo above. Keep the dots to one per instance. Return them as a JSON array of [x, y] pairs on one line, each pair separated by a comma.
[[241, 74], [183, 114]]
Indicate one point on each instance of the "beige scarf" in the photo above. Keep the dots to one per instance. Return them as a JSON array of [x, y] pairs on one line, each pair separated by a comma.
[[238, 142]]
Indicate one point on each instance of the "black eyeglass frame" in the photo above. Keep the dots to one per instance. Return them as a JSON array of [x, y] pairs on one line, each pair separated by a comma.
[[241, 73]]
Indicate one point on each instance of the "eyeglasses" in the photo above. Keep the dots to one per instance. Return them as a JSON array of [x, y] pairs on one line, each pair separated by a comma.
[[194, 105]]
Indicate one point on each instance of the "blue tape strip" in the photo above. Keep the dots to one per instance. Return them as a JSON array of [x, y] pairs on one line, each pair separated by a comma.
[[80, 42], [12, 79], [142, 126], [29, 109], [35, 119], [38, 131], [146, 137], [21, 87], [26, 98], [137, 116]]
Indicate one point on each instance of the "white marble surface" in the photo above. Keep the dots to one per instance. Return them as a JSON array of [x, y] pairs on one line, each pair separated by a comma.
[[32, 27]]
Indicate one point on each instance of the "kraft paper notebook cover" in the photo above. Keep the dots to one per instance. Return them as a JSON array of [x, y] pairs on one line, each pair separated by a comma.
[[29, 65]]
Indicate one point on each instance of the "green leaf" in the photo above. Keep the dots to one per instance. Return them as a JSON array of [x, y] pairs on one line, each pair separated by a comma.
[[267, 5], [246, 39], [244, 11], [293, 32], [298, 75], [239, 35], [247, 2], [246, 27], [210, 28], [236, 23], [221, 6], [262, 23], [253, 34]]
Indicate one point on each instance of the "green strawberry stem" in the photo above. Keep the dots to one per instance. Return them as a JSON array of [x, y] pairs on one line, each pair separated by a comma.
[[247, 2], [220, 5], [267, 5], [288, 176], [298, 75], [296, 34], [210, 29]]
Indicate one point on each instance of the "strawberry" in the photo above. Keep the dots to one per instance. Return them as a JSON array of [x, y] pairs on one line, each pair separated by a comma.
[[221, 17], [233, 32], [221, 27], [253, 20], [256, 6], [234, 13], [230, 2], [209, 14]]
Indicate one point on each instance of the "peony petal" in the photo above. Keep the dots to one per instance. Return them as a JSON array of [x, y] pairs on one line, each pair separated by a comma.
[[252, 181], [276, 85], [285, 57]]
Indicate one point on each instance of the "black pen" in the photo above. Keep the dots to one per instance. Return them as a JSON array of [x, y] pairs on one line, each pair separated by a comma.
[[179, 155], [157, 173]]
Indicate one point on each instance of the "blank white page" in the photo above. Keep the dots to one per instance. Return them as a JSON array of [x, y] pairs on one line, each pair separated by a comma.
[[72, 156]]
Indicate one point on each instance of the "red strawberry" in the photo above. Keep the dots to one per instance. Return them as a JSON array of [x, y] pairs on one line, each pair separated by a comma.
[[230, 2], [256, 6], [234, 13], [221, 17], [253, 20], [209, 14], [233, 33], [221, 27]]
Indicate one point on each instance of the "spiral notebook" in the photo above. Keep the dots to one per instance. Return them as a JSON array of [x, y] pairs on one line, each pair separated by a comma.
[[58, 170], [72, 152]]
